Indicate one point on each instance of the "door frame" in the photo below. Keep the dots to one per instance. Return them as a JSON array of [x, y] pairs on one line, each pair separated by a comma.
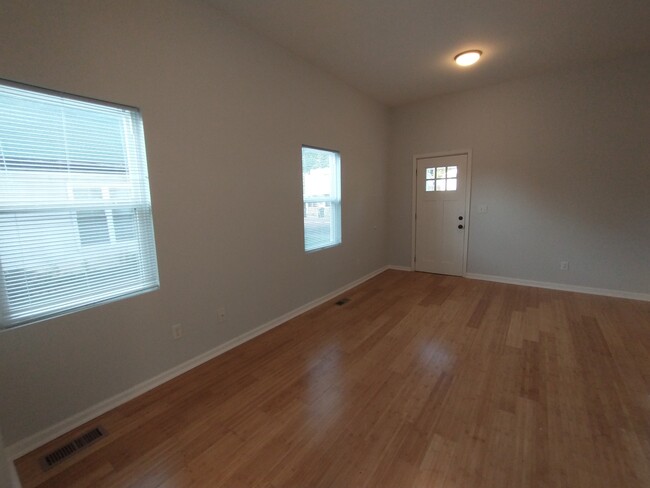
[[468, 193]]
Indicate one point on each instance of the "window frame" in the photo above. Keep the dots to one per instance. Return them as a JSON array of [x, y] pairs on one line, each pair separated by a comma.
[[130, 171], [333, 199]]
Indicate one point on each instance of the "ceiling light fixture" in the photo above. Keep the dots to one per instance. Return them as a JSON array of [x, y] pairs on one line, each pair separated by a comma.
[[467, 58]]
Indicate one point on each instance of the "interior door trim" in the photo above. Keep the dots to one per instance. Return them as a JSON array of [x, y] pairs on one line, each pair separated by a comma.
[[468, 194]]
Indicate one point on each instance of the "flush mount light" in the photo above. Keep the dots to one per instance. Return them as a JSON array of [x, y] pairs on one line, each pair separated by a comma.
[[468, 58]]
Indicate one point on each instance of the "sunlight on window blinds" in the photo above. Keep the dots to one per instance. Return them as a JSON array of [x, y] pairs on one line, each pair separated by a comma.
[[76, 227], [321, 189]]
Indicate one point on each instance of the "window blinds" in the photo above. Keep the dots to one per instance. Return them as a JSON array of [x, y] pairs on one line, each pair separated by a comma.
[[75, 212], [321, 189]]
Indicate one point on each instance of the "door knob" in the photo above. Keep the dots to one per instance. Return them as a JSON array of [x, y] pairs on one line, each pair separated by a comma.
[[460, 226]]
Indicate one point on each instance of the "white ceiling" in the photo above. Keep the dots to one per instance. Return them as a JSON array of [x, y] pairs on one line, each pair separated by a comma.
[[399, 51]]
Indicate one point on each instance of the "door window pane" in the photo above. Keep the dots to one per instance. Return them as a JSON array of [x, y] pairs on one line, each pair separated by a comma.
[[443, 178]]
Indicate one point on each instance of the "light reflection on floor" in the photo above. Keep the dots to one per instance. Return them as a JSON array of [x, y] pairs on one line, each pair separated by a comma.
[[325, 384], [435, 355]]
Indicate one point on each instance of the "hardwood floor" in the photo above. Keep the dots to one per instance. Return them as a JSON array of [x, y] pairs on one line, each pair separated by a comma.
[[419, 381]]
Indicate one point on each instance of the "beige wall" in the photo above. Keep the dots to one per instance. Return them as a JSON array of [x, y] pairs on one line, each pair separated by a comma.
[[563, 163], [225, 114]]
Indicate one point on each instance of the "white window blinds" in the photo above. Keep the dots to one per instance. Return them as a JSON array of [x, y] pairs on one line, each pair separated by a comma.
[[321, 190], [76, 227]]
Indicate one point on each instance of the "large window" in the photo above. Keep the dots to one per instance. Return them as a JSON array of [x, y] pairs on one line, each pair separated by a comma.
[[321, 191], [75, 214]]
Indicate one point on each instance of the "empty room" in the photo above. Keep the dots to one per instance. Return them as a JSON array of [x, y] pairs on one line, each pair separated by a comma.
[[289, 243]]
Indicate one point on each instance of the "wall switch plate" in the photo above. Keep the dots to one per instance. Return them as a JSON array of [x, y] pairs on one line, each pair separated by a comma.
[[177, 331], [221, 315], [564, 265]]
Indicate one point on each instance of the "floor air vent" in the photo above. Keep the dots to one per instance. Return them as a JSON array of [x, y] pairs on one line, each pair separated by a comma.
[[342, 301], [72, 447]]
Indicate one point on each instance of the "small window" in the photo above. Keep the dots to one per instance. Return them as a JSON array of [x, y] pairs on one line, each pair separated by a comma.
[[442, 178], [321, 191], [76, 228]]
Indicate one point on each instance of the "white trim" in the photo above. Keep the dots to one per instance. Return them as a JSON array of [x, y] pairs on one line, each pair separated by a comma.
[[30, 443], [562, 287], [13, 474], [414, 208], [468, 192], [14, 480], [399, 268]]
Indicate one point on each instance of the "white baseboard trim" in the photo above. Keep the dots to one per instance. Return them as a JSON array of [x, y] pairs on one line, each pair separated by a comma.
[[399, 268], [23, 446], [14, 480], [13, 476], [562, 287]]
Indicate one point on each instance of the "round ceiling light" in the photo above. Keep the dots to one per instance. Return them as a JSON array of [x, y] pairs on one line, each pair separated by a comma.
[[468, 58]]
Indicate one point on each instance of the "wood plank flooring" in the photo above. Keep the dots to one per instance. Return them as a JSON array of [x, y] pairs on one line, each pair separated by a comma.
[[419, 381]]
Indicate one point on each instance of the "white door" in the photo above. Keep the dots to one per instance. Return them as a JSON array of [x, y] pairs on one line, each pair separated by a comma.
[[440, 220]]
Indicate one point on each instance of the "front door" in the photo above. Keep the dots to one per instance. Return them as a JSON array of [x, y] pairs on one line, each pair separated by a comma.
[[440, 220]]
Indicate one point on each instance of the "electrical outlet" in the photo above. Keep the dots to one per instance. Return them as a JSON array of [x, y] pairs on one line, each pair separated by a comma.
[[564, 265], [221, 315], [177, 331]]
